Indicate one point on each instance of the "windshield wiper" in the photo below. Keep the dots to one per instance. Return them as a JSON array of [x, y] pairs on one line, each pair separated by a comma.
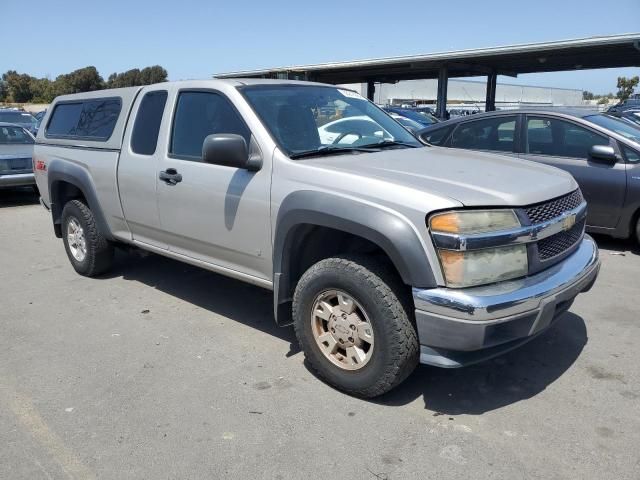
[[328, 150], [389, 143]]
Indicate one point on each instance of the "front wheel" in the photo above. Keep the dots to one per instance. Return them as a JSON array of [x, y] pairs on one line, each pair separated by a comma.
[[355, 326], [88, 250]]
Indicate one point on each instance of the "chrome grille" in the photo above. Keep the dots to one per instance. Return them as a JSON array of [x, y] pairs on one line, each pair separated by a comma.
[[559, 243], [548, 210]]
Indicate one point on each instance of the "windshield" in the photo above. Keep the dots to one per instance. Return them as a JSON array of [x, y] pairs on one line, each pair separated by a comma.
[[305, 118], [17, 117], [407, 122], [632, 117], [14, 135], [625, 129]]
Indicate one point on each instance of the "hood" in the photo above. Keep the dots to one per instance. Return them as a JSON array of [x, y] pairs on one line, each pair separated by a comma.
[[471, 178]]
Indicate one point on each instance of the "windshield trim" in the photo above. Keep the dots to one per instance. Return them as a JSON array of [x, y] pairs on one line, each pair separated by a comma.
[[246, 87]]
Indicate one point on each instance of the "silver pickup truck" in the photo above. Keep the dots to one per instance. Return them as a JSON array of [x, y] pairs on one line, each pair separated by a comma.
[[382, 252]]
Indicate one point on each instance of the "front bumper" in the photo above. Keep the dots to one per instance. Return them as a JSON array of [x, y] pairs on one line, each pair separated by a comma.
[[17, 180], [457, 327]]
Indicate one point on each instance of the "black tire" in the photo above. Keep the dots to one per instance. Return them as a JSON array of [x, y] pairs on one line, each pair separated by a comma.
[[35, 189], [381, 294], [99, 251]]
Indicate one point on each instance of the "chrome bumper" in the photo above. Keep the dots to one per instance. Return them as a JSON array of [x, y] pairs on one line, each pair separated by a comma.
[[462, 326], [17, 180]]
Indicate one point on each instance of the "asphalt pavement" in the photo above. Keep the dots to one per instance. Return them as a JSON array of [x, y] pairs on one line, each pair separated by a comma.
[[160, 370]]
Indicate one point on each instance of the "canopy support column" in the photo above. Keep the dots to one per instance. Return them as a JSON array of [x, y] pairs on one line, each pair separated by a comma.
[[490, 103], [371, 90], [443, 80]]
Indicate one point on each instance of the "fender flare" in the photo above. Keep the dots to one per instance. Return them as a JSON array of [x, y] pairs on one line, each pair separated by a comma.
[[61, 171], [392, 233]]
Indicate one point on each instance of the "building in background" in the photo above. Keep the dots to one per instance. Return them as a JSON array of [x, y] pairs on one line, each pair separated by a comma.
[[471, 94]]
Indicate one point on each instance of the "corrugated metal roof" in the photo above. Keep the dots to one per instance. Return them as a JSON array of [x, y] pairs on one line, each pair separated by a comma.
[[583, 53]]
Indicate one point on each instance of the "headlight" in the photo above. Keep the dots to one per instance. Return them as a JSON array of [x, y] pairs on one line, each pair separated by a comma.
[[477, 267], [465, 268]]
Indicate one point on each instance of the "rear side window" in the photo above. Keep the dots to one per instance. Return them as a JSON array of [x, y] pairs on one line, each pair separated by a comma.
[[199, 114], [147, 125], [85, 119]]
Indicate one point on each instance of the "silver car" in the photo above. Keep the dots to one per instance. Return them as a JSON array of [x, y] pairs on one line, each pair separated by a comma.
[[16, 150]]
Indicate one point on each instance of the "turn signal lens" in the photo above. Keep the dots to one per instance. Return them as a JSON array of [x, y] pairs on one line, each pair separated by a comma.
[[474, 221]]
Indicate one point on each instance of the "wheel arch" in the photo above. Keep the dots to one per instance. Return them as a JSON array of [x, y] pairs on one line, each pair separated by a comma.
[[368, 227], [68, 181]]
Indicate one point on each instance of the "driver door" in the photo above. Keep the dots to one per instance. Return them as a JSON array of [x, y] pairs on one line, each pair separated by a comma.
[[216, 214]]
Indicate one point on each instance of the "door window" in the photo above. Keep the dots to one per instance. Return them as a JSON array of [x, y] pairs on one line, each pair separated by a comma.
[[147, 126], [631, 155], [497, 134], [199, 114], [560, 138], [436, 136]]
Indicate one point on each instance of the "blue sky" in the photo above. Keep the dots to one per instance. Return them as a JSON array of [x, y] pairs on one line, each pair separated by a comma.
[[195, 38]]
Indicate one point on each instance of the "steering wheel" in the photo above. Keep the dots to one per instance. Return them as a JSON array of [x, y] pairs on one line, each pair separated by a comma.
[[342, 135]]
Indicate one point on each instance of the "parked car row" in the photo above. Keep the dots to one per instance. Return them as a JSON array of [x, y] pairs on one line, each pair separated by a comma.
[[601, 151], [19, 117]]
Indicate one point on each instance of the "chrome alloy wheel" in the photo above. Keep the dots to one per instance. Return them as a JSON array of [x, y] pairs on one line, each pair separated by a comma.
[[75, 239], [342, 330]]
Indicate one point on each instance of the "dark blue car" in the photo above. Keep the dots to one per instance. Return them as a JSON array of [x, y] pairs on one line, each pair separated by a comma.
[[424, 119]]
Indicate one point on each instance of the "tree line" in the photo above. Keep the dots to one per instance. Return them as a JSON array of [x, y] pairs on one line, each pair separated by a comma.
[[625, 86], [23, 88]]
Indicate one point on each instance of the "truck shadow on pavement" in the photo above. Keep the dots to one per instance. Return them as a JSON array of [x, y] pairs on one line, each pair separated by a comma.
[[515, 376], [510, 378], [233, 299], [617, 245], [16, 197]]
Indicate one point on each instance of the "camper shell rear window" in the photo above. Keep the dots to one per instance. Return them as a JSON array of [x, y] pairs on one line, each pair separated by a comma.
[[91, 119]]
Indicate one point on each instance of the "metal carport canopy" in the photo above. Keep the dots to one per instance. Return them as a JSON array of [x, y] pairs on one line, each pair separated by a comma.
[[584, 53]]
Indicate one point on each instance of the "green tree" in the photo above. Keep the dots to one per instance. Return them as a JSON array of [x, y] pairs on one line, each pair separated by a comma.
[[136, 77], [18, 86], [586, 95], [626, 86], [151, 75], [3, 90], [42, 90]]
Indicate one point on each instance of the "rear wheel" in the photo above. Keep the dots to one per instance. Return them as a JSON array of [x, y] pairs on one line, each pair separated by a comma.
[[88, 250], [355, 326]]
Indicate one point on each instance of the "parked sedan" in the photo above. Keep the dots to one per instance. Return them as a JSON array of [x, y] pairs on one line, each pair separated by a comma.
[[600, 151], [407, 123], [16, 149], [424, 119], [631, 115], [18, 117]]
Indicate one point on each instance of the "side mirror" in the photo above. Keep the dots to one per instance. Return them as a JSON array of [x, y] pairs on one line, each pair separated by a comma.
[[603, 154], [228, 149]]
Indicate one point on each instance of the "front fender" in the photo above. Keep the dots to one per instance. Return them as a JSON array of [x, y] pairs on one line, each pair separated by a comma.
[[389, 231]]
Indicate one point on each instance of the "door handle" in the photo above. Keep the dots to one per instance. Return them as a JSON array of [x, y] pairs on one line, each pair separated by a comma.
[[170, 176]]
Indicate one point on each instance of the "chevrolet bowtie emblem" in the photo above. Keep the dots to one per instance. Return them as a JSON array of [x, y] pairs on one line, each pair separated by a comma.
[[568, 222]]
